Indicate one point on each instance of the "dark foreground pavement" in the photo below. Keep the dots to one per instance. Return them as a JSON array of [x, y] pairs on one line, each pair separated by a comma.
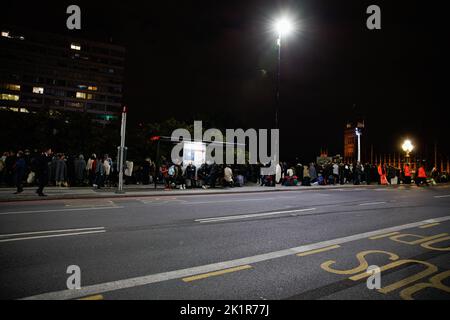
[[296, 244]]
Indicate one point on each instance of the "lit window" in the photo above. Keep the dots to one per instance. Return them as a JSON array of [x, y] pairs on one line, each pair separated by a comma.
[[10, 86], [75, 46], [92, 88], [6, 34], [81, 95], [38, 90], [11, 97]]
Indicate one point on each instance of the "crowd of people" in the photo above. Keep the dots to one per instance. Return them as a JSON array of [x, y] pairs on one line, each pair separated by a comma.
[[338, 172], [55, 169], [49, 168]]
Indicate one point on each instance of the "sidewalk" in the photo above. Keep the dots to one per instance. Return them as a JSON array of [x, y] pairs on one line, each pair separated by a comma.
[[57, 193]]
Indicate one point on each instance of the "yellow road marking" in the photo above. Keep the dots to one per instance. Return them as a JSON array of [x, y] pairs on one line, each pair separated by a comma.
[[383, 235], [96, 297], [307, 253], [429, 225], [215, 273]]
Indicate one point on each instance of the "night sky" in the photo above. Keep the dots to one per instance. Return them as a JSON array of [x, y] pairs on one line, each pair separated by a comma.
[[216, 61]]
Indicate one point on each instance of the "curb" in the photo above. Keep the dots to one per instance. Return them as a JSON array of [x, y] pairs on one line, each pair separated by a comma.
[[133, 194]]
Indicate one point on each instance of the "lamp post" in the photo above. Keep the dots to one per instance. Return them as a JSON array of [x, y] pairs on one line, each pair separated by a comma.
[[121, 150], [283, 27], [358, 134], [407, 147]]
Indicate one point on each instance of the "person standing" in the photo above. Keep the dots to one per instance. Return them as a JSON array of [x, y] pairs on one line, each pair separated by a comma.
[[107, 165], [368, 174], [335, 173], [42, 171], [80, 166], [10, 162], [306, 176], [146, 171], [357, 171], [60, 170], [382, 174], [99, 173], [407, 173], [190, 175], [91, 167], [19, 171]]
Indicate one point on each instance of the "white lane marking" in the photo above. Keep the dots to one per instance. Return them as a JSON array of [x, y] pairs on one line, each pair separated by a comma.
[[50, 231], [372, 203], [446, 196], [184, 202], [239, 200], [171, 275], [163, 202], [59, 210], [52, 236], [254, 215]]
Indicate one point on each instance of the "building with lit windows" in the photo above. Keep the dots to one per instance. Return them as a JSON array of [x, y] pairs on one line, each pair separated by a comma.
[[42, 71]]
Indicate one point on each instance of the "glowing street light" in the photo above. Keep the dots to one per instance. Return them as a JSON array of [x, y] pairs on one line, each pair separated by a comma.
[[407, 147], [283, 27]]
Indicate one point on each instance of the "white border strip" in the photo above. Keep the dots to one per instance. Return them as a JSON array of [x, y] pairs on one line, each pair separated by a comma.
[[50, 231], [254, 215], [52, 236], [60, 210]]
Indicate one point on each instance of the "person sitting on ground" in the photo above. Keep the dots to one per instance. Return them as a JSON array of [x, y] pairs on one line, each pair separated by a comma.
[[421, 176], [228, 177]]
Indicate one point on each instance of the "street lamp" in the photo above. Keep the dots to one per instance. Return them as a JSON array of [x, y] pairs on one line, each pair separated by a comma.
[[407, 147], [283, 27], [358, 134]]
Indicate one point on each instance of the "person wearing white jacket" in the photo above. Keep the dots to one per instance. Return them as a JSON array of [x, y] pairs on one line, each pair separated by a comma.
[[107, 166]]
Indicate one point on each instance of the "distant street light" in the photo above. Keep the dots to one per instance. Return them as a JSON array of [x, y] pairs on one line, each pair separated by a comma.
[[407, 147], [358, 134]]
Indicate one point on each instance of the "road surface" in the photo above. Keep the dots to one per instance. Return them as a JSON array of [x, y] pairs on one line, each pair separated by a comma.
[[275, 245]]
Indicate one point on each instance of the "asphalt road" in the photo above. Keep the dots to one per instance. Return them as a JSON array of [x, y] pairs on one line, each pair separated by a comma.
[[280, 245]]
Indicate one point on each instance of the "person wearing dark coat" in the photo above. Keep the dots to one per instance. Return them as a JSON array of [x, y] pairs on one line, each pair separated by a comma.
[[19, 171], [42, 171], [60, 170], [146, 172], [190, 175], [80, 168], [10, 162]]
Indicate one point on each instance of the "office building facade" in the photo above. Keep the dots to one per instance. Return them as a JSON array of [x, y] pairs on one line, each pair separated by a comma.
[[42, 71]]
